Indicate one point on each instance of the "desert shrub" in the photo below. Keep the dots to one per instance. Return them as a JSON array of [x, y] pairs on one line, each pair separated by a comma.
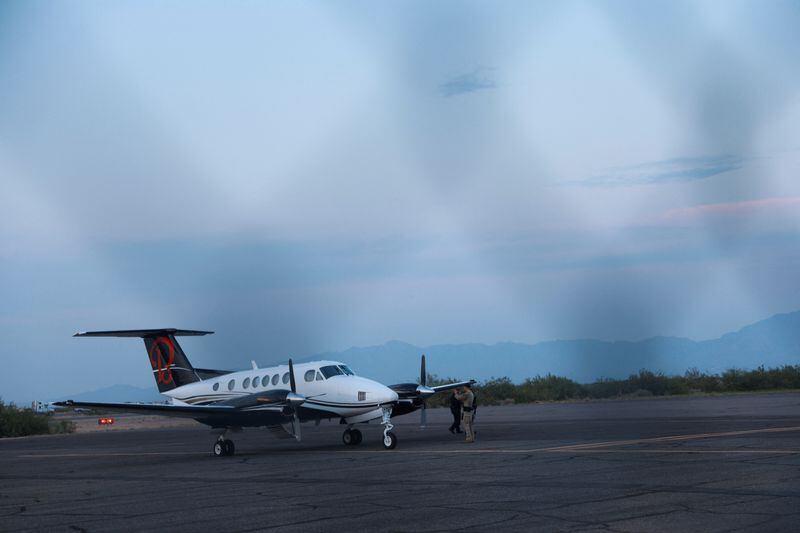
[[700, 381], [549, 388], [655, 382], [608, 388], [502, 391], [16, 422], [62, 426], [497, 390]]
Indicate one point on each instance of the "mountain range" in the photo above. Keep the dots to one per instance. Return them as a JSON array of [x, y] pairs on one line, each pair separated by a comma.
[[771, 342]]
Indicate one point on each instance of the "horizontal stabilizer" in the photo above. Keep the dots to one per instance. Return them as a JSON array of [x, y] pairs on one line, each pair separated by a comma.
[[143, 333]]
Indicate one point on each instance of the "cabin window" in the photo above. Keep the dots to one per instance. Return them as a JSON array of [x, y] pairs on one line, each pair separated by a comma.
[[216, 386], [310, 375], [275, 379], [330, 371], [319, 377], [246, 383], [231, 384], [265, 381], [255, 382], [285, 378]]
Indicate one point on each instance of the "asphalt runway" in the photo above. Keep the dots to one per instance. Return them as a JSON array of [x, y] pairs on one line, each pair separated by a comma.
[[728, 463]]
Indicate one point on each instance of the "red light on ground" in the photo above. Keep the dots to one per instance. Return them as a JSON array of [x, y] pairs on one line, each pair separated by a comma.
[[105, 421]]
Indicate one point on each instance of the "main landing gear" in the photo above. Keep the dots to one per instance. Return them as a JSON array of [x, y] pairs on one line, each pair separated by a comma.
[[352, 437], [224, 447], [389, 438]]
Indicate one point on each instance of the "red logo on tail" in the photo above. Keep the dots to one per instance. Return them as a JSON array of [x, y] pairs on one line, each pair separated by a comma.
[[160, 363]]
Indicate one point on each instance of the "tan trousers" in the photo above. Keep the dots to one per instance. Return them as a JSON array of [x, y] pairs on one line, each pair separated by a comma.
[[466, 421]]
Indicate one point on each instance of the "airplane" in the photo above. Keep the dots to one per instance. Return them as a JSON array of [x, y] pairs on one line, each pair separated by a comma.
[[272, 397]]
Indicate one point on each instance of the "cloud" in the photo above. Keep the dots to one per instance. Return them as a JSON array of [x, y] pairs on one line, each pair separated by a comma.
[[772, 206], [682, 169], [470, 82]]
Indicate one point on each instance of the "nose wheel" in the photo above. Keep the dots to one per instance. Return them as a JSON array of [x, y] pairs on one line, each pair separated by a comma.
[[389, 438]]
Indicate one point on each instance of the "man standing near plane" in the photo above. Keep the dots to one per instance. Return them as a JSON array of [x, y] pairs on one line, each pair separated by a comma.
[[466, 397], [455, 410]]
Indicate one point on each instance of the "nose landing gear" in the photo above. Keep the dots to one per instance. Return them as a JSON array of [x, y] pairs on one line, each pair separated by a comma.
[[389, 438]]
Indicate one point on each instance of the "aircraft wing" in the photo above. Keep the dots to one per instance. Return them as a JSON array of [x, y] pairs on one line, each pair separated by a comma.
[[188, 411]]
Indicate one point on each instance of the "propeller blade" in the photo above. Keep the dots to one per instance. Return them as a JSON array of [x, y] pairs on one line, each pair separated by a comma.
[[291, 377], [423, 375], [296, 426], [423, 416]]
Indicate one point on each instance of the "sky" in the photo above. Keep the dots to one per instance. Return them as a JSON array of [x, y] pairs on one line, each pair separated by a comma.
[[309, 176]]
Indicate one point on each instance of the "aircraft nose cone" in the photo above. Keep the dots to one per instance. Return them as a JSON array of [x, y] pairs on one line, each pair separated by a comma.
[[388, 395]]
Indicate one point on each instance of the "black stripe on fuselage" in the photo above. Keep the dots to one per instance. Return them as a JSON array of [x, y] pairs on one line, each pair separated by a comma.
[[337, 404]]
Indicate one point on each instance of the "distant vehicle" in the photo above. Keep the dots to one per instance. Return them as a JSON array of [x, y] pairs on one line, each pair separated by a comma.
[[42, 407], [270, 397]]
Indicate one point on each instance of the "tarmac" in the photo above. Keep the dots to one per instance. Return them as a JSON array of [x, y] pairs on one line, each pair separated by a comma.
[[725, 463]]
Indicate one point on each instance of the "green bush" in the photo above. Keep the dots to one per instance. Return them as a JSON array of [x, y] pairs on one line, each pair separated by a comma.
[[550, 388], [62, 426], [646, 383], [16, 422]]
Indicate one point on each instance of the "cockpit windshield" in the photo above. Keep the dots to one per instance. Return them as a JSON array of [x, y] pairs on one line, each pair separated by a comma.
[[330, 371], [346, 370]]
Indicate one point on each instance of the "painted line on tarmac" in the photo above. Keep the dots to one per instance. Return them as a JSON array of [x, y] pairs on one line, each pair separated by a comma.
[[587, 451], [594, 447], [602, 447], [109, 454], [421, 452], [673, 450], [672, 438]]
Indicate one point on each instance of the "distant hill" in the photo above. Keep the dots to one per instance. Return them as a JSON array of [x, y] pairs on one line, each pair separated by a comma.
[[117, 393], [771, 342]]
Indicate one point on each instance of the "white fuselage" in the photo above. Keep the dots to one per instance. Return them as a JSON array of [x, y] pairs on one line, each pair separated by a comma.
[[327, 386]]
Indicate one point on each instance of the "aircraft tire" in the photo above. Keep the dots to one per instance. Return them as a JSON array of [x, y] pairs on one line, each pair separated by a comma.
[[357, 437], [230, 449], [219, 449], [390, 441], [348, 437]]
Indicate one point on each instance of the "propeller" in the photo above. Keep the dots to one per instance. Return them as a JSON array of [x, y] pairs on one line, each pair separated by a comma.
[[294, 400], [424, 391]]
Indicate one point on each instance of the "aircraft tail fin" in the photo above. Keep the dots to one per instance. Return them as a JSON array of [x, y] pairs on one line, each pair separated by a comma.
[[171, 367]]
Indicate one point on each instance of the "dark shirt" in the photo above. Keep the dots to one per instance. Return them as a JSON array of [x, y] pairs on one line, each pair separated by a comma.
[[455, 405]]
